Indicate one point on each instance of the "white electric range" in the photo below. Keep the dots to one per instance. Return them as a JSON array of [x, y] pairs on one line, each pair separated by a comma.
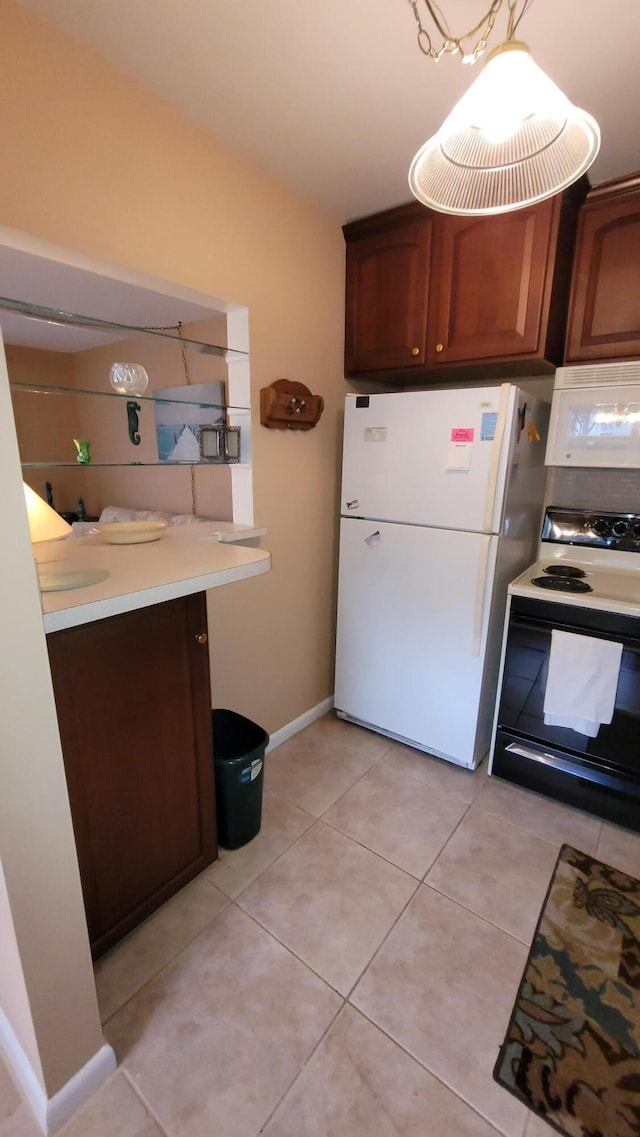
[[590, 559], [586, 581]]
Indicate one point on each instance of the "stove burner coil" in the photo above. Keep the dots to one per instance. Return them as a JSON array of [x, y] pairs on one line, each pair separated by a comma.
[[562, 583], [570, 571]]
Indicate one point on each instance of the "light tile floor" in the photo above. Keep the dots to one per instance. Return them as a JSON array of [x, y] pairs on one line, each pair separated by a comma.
[[351, 971]]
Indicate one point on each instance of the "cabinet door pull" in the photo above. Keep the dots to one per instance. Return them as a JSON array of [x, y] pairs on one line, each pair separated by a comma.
[[202, 638], [415, 351], [439, 347]]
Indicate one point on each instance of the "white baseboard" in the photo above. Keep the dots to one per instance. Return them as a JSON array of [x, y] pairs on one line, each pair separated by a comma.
[[292, 728], [52, 1113]]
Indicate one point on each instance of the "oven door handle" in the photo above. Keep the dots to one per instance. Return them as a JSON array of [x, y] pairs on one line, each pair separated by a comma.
[[536, 624], [566, 767]]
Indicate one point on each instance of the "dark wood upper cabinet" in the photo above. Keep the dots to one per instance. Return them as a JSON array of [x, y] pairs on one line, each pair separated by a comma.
[[388, 281], [134, 711], [604, 311], [428, 293], [493, 275]]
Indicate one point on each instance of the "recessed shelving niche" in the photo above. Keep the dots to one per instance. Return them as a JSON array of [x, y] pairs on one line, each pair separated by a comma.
[[182, 418]]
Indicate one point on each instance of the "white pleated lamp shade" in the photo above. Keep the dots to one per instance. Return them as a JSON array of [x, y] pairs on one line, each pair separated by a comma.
[[513, 139]]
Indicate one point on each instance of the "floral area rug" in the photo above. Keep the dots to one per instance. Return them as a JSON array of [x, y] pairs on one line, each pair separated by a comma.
[[572, 1048]]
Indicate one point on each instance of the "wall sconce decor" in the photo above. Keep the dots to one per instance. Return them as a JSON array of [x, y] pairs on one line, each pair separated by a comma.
[[287, 405]]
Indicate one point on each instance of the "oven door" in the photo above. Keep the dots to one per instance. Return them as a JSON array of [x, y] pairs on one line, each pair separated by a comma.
[[601, 774]]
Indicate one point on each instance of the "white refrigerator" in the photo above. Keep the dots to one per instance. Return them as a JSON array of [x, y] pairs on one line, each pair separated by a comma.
[[441, 506]]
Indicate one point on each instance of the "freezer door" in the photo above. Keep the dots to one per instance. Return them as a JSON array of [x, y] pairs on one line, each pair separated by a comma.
[[429, 457], [413, 612]]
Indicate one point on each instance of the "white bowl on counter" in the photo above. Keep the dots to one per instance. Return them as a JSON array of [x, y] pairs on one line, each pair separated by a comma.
[[131, 532]]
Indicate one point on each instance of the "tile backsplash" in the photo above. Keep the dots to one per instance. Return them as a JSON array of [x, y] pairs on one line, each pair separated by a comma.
[[615, 490]]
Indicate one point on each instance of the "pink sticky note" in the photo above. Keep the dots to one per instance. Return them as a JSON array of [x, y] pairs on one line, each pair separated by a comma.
[[462, 434]]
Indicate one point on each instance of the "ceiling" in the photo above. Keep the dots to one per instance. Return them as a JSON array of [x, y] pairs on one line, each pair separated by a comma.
[[334, 98]]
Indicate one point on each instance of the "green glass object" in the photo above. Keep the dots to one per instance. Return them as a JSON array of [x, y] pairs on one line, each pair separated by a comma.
[[84, 452]]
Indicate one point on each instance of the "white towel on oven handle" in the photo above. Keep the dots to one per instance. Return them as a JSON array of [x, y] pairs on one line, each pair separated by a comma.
[[582, 681]]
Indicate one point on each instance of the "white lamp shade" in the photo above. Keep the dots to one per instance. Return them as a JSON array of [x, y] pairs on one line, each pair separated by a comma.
[[513, 139], [44, 523]]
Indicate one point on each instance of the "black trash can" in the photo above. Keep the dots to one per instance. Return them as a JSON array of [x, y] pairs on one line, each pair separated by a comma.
[[238, 751]]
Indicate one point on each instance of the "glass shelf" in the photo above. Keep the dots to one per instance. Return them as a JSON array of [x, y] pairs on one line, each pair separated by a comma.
[[110, 327], [46, 389], [80, 428], [111, 465]]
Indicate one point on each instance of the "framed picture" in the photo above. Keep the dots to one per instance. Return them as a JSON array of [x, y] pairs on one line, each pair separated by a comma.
[[180, 412], [219, 443]]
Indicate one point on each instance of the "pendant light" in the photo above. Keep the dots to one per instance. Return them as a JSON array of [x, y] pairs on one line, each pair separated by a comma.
[[513, 138]]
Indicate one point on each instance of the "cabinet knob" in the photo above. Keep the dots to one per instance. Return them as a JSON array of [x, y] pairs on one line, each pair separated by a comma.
[[202, 638], [439, 347], [415, 351]]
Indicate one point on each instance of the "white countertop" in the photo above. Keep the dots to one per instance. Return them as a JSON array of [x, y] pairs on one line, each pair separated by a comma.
[[227, 531], [230, 533], [142, 574]]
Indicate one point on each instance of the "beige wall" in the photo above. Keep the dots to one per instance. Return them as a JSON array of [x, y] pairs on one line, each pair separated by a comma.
[[100, 165], [14, 999], [45, 426], [46, 979]]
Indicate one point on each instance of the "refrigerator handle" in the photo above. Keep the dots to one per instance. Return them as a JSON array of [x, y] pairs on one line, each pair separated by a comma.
[[478, 608], [496, 454]]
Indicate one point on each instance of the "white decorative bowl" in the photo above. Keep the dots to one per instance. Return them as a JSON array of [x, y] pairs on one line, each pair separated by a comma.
[[131, 532]]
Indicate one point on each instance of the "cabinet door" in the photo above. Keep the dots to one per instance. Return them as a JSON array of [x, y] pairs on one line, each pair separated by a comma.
[[386, 299], [604, 313], [493, 285], [134, 710]]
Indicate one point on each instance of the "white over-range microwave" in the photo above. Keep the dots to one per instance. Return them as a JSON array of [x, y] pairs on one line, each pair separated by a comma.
[[595, 416]]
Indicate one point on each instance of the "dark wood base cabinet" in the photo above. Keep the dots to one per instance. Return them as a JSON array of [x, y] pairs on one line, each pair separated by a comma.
[[134, 710]]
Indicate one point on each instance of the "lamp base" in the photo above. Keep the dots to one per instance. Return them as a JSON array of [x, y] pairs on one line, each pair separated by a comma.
[[79, 578]]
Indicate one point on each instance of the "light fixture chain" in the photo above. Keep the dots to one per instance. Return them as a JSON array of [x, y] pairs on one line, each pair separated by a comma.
[[514, 19], [454, 45], [188, 382]]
